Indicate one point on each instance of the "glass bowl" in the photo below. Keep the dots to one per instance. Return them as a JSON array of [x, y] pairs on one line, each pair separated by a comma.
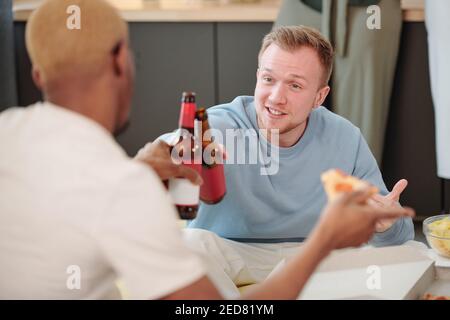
[[437, 231]]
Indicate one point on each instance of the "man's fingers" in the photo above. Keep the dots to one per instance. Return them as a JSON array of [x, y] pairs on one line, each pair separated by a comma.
[[190, 174], [378, 198], [162, 144], [373, 202], [394, 213], [143, 151], [397, 190], [158, 148], [358, 196]]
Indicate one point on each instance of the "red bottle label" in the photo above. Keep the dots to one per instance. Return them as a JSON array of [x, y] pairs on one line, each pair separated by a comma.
[[213, 188], [196, 167]]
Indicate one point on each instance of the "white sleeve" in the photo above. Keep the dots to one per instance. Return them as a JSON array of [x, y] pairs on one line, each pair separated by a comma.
[[141, 238]]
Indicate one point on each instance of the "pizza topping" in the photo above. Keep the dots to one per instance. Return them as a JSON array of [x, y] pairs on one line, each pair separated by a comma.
[[336, 182]]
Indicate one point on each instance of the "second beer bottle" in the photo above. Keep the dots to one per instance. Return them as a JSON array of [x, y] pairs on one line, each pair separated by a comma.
[[186, 148], [213, 188]]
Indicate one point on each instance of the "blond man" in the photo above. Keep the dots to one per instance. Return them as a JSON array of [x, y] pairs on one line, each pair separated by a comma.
[[266, 215]]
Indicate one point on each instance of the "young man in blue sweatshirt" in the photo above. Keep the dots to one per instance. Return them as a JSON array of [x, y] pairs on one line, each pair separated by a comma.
[[272, 206]]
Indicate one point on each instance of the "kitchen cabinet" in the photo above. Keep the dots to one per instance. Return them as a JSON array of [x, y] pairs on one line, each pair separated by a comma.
[[218, 60]]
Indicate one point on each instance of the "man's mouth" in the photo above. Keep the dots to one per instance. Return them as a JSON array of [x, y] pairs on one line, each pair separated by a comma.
[[275, 112]]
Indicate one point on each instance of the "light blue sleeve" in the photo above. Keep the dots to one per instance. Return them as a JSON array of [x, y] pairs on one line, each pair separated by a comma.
[[366, 168], [166, 137], [218, 118]]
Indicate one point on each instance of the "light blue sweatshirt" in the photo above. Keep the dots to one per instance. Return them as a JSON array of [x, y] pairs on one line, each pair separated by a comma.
[[284, 207]]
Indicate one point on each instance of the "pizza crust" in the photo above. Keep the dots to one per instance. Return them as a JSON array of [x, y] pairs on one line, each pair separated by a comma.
[[336, 182], [429, 296]]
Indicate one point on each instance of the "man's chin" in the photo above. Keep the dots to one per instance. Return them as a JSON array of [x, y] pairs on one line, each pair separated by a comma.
[[271, 127], [121, 129]]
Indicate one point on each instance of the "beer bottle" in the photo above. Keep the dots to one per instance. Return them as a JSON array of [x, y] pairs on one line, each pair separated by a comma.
[[184, 193], [213, 188]]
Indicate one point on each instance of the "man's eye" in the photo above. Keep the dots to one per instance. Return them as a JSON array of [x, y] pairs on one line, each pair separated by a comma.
[[267, 79], [296, 86]]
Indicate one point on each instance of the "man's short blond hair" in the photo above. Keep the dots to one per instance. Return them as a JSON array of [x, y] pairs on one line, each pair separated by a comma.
[[58, 51], [292, 38]]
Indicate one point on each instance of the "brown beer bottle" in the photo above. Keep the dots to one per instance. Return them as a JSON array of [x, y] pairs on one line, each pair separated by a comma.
[[184, 193], [213, 188]]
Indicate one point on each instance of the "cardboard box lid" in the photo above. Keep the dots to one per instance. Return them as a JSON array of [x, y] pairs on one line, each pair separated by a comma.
[[371, 273]]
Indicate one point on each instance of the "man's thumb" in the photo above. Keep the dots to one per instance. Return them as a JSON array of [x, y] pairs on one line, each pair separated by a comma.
[[190, 174]]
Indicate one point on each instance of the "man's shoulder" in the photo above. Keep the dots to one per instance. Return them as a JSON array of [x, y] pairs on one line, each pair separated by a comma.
[[90, 154], [332, 118], [240, 102], [11, 111], [120, 171], [332, 123], [14, 116], [234, 114]]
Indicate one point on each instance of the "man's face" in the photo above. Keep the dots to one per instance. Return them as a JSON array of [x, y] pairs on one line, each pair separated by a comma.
[[289, 85]]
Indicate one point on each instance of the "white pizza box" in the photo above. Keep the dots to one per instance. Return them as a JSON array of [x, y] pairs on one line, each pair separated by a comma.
[[400, 272]]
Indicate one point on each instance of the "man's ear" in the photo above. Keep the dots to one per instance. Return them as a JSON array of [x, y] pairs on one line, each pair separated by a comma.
[[321, 96], [37, 78], [120, 58]]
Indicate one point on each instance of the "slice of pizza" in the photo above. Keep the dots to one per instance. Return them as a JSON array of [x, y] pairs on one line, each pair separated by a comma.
[[429, 296], [336, 182]]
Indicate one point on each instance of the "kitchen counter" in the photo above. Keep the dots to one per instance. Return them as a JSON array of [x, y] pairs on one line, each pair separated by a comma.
[[204, 10]]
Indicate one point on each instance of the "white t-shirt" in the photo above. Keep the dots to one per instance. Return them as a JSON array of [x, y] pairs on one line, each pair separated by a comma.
[[76, 214]]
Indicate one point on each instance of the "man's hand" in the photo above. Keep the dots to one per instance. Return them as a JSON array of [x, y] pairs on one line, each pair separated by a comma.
[[157, 155], [391, 200], [350, 221]]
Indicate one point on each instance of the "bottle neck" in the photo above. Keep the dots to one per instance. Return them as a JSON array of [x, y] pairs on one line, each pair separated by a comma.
[[187, 116], [205, 128], [202, 118], [205, 125]]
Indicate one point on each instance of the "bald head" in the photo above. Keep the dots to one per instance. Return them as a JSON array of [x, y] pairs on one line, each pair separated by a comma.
[[59, 52]]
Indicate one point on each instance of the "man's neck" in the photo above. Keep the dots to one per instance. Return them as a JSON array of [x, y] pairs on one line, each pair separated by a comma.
[[92, 103], [292, 137], [289, 138]]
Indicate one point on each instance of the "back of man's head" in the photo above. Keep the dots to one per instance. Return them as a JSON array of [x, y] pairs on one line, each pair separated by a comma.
[[73, 37]]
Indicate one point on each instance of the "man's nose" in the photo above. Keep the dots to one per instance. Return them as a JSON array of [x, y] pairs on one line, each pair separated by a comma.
[[277, 94]]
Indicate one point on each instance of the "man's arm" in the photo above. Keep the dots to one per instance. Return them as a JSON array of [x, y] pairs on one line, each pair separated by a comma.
[[285, 285], [157, 155], [202, 289], [393, 233], [331, 232], [389, 232]]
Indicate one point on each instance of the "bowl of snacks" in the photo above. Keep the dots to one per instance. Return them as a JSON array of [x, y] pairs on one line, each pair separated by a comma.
[[437, 231]]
